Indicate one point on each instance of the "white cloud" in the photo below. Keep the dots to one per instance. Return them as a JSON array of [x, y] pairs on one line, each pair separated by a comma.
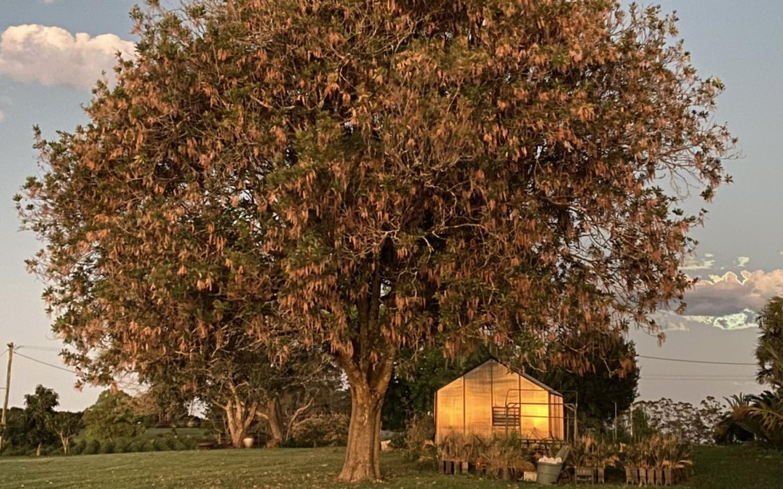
[[51, 1], [742, 261], [694, 264], [726, 301], [53, 56]]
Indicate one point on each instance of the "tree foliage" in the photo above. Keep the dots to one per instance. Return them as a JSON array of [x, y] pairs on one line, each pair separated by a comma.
[[366, 177], [769, 351], [66, 425], [609, 385], [112, 417], [38, 416]]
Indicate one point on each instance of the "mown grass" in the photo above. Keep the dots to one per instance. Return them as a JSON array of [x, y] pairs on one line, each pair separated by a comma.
[[716, 467]]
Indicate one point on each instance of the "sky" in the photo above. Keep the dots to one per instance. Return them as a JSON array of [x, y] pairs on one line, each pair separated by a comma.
[[52, 51]]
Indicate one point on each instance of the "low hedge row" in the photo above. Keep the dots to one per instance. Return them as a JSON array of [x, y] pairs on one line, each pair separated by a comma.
[[162, 443]]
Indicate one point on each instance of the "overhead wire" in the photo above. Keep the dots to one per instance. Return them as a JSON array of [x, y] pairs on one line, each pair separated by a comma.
[[64, 369], [705, 362]]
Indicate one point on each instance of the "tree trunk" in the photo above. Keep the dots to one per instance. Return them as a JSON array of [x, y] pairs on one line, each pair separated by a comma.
[[275, 422], [38, 450], [368, 389], [239, 419]]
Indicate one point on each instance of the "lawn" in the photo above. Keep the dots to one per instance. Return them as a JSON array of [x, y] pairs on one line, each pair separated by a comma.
[[716, 468]]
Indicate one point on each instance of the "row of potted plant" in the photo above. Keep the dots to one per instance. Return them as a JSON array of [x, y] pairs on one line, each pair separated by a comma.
[[506, 458], [659, 460]]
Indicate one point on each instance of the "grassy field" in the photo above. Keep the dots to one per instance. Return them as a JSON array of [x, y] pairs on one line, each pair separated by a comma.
[[716, 468]]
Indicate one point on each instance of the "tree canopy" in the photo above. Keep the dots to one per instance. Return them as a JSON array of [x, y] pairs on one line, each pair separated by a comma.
[[363, 177], [111, 417]]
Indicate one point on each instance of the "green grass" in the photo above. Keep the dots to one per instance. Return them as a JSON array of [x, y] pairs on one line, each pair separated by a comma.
[[716, 467]]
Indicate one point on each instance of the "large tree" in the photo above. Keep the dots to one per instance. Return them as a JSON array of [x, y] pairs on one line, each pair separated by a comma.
[[367, 176]]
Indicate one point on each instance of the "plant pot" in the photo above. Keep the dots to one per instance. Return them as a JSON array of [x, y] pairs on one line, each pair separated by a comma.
[[585, 474], [644, 474], [548, 473], [247, 442], [631, 474], [658, 476], [668, 476]]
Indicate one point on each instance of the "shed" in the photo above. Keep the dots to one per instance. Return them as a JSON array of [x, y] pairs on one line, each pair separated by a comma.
[[492, 399]]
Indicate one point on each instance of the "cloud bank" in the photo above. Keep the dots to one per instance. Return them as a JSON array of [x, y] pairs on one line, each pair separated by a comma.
[[53, 56], [726, 301]]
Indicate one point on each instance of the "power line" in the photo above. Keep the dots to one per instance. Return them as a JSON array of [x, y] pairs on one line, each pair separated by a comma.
[[696, 361], [40, 348], [47, 364], [703, 380], [64, 369]]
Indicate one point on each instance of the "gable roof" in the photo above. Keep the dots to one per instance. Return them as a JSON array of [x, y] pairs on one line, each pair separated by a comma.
[[521, 374]]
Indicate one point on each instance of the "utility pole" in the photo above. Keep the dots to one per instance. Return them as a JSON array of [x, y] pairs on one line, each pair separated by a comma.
[[7, 390], [615, 422]]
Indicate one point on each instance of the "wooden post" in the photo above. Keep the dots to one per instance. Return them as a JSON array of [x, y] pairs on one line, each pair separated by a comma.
[[7, 390]]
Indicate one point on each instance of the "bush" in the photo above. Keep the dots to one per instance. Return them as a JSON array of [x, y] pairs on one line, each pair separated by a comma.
[[161, 445], [121, 445], [107, 447], [92, 447], [77, 448], [419, 435], [323, 430], [398, 441]]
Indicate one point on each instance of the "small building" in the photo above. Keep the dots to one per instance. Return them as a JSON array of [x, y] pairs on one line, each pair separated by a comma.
[[492, 399]]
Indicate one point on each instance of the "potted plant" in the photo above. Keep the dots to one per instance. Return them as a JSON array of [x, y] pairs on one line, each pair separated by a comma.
[[604, 454], [632, 457], [247, 442], [582, 456]]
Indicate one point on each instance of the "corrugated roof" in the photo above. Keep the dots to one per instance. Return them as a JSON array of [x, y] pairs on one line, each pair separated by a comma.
[[522, 374]]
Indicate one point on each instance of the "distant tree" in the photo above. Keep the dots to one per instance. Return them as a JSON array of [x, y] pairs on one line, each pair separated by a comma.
[[769, 351], [609, 385], [416, 380], [364, 177], [112, 417], [66, 425], [38, 416], [697, 425], [14, 433], [162, 404]]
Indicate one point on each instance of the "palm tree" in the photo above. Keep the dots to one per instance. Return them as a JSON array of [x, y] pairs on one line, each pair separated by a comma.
[[769, 352]]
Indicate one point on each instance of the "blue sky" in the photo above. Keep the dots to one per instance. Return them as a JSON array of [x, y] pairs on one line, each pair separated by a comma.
[[46, 71]]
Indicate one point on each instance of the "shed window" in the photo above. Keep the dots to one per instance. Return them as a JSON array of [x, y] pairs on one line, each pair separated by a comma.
[[505, 416]]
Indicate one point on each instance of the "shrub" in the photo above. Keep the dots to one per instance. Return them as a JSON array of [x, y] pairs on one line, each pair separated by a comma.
[[135, 446], [121, 445], [77, 448], [398, 441], [161, 445], [323, 430], [92, 447], [419, 435], [107, 447]]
